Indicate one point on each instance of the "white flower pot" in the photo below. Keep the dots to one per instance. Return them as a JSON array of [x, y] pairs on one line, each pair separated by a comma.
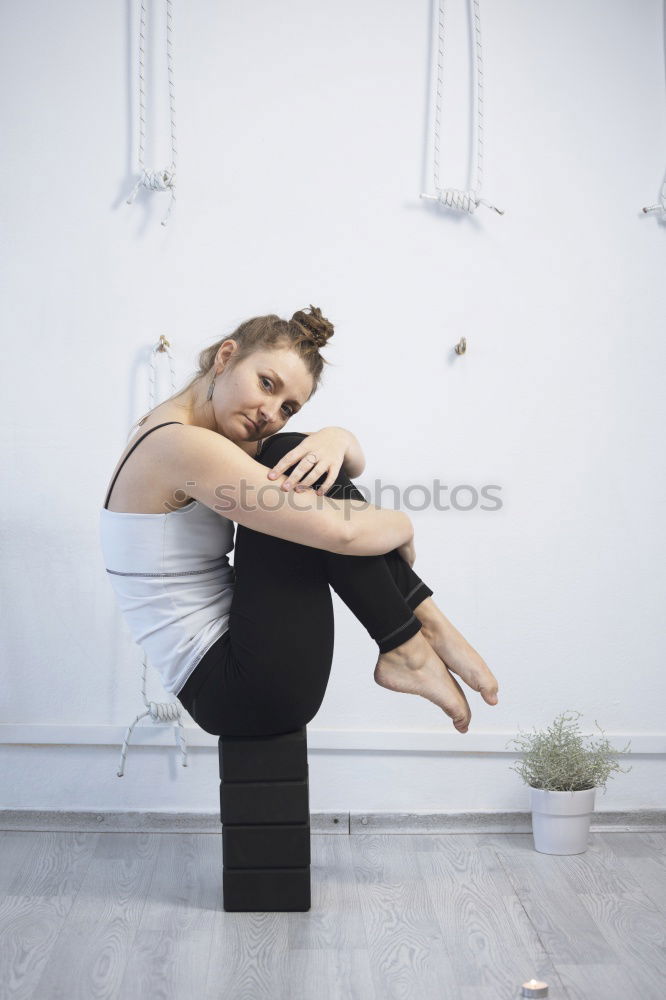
[[561, 820]]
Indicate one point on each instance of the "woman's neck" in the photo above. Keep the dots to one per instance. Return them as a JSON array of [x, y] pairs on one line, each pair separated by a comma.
[[184, 408]]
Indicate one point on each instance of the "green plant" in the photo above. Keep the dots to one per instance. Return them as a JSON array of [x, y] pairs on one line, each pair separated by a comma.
[[556, 759]]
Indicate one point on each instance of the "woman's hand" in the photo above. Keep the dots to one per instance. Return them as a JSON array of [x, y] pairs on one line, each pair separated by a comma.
[[329, 445], [408, 552]]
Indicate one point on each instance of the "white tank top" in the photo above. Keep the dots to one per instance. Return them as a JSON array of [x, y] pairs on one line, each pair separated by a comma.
[[172, 580]]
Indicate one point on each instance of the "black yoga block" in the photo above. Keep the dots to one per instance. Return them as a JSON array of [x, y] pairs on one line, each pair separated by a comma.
[[264, 758], [282, 801], [266, 889], [285, 846], [264, 809]]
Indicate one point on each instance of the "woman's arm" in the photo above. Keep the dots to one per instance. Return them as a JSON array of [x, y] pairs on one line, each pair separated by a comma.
[[213, 470]]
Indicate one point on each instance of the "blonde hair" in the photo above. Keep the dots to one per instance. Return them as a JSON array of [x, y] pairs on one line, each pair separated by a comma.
[[305, 332]]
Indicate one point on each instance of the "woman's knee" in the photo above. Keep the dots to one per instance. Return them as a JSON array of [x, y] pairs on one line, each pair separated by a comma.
[[278, 446]]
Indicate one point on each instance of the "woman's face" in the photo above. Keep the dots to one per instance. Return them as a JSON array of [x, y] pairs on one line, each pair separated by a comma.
[[257, 396]]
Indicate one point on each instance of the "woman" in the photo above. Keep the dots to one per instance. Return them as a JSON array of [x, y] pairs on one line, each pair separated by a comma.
[[247, 648]]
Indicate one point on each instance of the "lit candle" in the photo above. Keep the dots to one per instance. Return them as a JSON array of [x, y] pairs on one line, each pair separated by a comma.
[[535, 988]]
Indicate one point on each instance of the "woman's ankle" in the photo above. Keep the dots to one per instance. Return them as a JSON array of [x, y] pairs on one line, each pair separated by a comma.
[[430, 616], [412, 652]]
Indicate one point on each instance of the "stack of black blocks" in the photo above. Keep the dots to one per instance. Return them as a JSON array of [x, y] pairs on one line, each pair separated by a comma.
[[265, 815]]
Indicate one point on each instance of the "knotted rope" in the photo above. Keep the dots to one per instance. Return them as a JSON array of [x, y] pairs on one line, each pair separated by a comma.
[[159, 711], [165, 178], [469, 200]]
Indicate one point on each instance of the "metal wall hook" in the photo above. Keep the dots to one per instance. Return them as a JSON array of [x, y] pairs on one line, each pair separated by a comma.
[[163, 343], [461, 346]]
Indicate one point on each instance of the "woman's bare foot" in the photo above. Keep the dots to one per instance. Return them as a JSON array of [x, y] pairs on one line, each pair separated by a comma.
[[455, 651], [415, 668]]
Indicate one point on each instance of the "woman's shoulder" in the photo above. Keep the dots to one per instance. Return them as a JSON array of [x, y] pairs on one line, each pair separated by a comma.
[[173, 415], [143, 480], [168, 422], [140, 478]]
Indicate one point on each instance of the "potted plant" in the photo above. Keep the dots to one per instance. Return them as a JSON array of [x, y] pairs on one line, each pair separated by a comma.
[[563, 776]]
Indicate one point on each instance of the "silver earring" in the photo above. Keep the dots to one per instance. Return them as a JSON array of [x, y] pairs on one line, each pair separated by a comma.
[[210, 388]]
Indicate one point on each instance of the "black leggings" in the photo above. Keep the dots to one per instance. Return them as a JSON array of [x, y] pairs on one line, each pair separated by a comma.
[[268, 673]]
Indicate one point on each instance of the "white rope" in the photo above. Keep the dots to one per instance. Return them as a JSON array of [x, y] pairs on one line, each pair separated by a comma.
[[470, 199], [161, 347], [661, 204], [159, 711], [165, 178]]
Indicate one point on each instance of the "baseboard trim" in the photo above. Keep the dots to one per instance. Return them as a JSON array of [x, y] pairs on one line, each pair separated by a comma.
[[148, 734], [355, 823]]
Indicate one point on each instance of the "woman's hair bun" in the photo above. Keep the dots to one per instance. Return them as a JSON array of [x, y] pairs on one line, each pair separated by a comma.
[[319, 329]]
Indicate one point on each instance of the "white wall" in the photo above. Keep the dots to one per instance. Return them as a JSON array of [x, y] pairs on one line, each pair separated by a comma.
[[303, 146]]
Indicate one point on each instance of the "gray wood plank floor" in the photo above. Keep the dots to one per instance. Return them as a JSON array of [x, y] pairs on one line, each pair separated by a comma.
[[463, 916]]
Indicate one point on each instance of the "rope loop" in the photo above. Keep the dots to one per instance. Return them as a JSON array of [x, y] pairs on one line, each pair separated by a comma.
[[164, 711], [158, 180], [467, 200], [165, 179], [464, 201]]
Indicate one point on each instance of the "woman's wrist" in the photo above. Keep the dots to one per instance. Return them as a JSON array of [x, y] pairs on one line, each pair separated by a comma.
[[354, 461]]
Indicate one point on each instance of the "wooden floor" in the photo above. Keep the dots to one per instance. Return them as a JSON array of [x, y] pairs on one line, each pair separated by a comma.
[[452, 917]]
